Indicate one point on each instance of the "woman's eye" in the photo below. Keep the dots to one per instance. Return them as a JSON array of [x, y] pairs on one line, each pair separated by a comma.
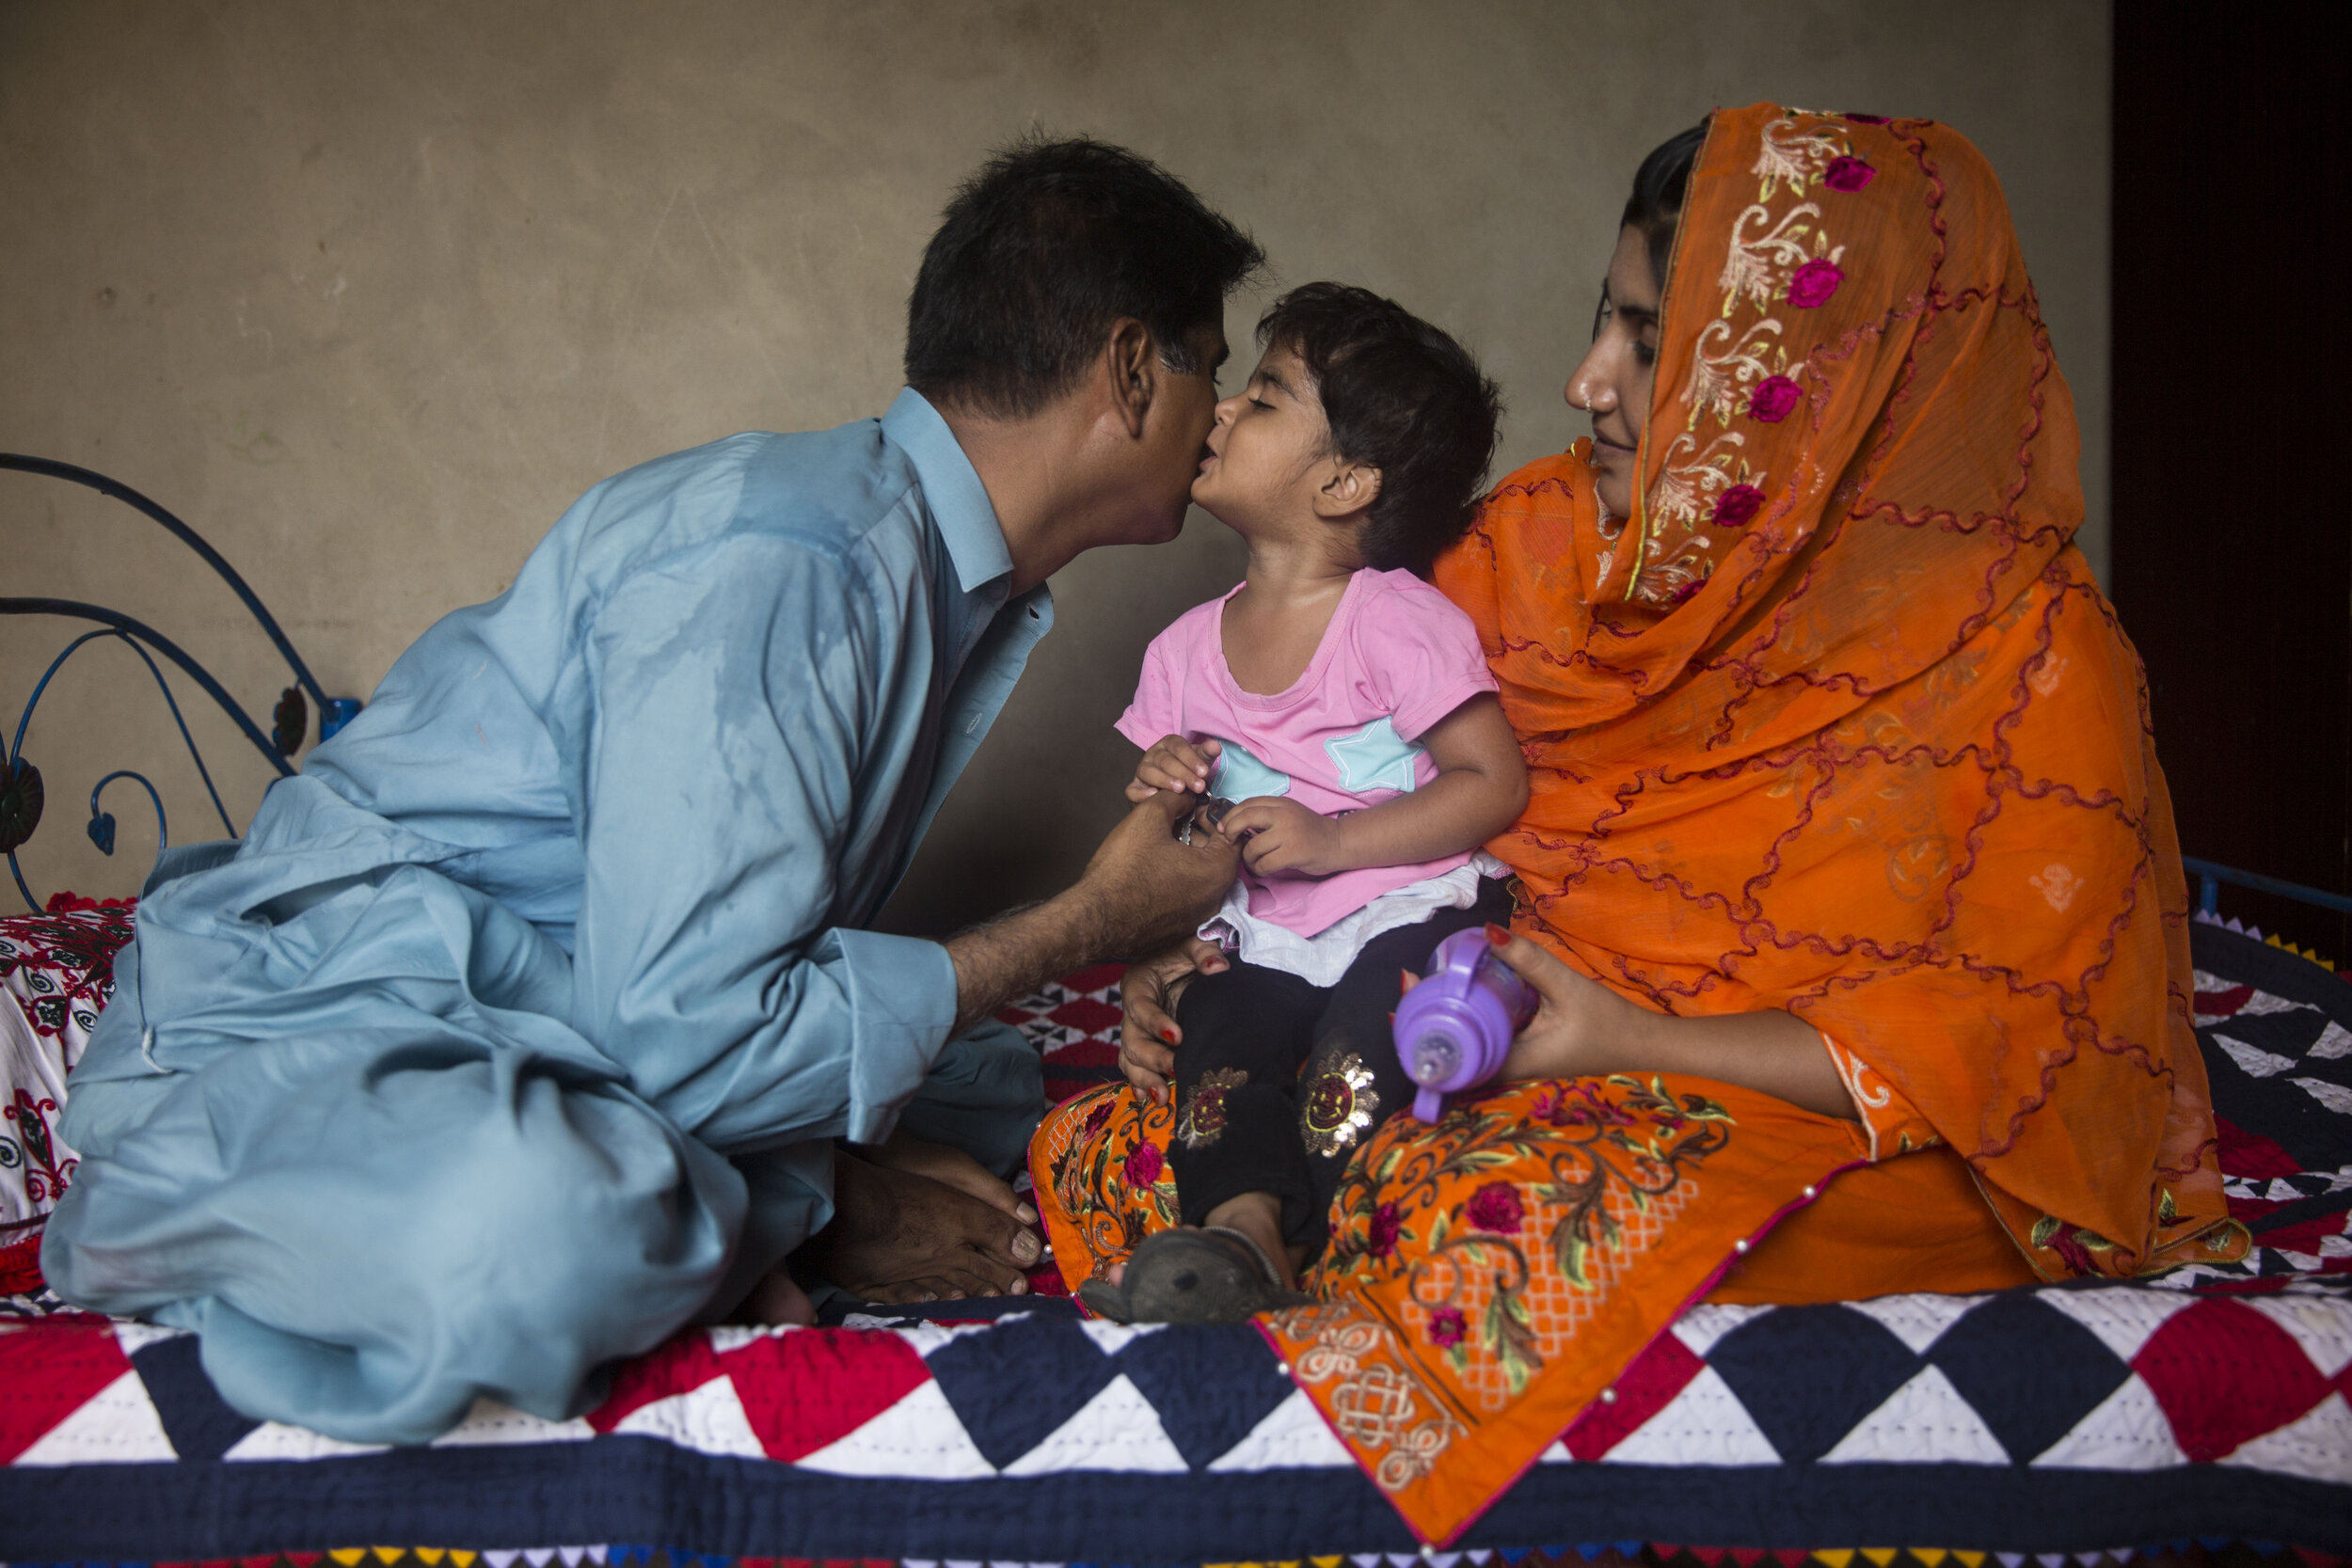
[[1644, 355], [1261, 402]]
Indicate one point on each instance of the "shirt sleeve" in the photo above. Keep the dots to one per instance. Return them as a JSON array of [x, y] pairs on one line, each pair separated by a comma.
[[1425, 657], [736, 693], [1156, 711]]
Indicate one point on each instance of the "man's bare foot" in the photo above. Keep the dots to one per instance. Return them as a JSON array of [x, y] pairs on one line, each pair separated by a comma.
[[941, 1163], [898, 1237], [776, 1300], [1256, 1215]]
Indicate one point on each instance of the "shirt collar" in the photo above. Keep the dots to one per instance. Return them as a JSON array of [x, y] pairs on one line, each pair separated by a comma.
[[958, 502]]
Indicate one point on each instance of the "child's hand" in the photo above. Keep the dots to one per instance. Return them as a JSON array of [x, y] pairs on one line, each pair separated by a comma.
[[1277, 834], [1174, 764]]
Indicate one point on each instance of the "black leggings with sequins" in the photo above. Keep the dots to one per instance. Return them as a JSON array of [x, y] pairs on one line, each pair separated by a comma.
[[1278, 1082]]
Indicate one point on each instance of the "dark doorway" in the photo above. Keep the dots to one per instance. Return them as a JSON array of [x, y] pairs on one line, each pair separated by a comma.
[[2233, 482]]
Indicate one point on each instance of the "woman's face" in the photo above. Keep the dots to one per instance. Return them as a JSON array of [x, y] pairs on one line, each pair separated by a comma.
[[1618, 371]]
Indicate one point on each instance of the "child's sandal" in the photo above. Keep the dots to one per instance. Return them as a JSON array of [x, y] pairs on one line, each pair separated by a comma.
[[1210, 1275]]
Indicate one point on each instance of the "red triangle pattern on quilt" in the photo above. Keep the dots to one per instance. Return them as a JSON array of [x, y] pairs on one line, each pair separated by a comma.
[[804, 1391], [2226, 1374], [49, 1372]]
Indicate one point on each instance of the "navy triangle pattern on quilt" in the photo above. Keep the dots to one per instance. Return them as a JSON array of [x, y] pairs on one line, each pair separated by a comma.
[[2277, 1031]]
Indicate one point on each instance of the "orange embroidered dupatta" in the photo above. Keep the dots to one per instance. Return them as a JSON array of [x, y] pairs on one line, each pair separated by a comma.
[[1840, 723]]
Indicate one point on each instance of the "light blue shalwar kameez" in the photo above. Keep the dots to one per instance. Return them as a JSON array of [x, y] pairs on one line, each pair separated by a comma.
[[515, 1033]]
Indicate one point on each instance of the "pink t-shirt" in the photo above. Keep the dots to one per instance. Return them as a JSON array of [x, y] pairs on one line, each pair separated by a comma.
[[1396, 657]]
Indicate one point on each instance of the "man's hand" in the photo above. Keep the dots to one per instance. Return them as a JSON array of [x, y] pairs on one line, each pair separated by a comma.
[[1175, 764], [1141, 889], [1144, 888], [1284, 835], [1148, 1030]]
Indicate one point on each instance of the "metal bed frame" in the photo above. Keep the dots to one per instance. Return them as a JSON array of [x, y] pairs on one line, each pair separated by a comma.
[[21, 790]]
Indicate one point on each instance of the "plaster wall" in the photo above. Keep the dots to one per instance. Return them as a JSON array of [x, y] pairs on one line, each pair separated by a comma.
[[368, 293]]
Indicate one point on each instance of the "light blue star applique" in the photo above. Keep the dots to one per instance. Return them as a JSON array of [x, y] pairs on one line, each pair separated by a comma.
[[1373, 758], [1240, 776]]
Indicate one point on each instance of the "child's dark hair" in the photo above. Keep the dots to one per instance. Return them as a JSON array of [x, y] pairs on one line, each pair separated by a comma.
[[1655, 208], [1399, 396], [1043, 248]]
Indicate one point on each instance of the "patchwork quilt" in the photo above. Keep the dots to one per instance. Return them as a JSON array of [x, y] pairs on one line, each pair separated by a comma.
[[2059, 1423]]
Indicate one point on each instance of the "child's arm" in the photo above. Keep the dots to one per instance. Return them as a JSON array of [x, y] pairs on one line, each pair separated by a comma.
[[1173, 763], [1480, 790]]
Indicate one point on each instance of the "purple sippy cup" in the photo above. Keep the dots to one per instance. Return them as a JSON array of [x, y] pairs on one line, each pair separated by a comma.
[[1453, 1028]]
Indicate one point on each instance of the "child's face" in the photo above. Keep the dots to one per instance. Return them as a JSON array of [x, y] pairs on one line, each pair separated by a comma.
[[1266, 449]]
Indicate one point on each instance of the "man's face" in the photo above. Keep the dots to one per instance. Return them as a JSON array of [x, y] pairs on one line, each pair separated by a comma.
[[1176, 437]]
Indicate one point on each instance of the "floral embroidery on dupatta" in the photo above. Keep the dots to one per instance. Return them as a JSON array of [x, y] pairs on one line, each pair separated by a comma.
[[1779, 258], [1101, 1159], [1497, 1273], [1487, 1277]]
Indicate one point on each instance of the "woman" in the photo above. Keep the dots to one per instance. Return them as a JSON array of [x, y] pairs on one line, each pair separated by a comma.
[[1849, 879]]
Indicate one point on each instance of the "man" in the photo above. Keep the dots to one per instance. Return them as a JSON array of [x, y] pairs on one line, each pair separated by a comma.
[[522, 1026]]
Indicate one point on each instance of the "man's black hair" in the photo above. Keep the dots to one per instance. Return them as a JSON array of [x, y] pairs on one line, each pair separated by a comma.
[[1041, 250], [1655, 208], [1399, 396]]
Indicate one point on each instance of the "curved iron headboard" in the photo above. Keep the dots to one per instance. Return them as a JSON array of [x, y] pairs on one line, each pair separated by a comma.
[[21, 790]]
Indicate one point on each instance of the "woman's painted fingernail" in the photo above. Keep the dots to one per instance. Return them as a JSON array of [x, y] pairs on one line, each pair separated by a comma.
[[1168, 1035], [1499, 935]]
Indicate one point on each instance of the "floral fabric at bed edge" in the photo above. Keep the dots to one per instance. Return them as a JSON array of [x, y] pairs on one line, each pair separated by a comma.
[[1488, 1279]]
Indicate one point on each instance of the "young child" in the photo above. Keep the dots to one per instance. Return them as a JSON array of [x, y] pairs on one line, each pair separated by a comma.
[[1344, 704]]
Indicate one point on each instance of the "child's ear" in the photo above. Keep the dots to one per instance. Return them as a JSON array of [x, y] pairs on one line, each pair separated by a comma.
[[1347, 488]]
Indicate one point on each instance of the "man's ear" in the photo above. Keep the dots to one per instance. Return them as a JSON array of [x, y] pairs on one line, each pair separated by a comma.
[[1347, 488], [1132, 359]]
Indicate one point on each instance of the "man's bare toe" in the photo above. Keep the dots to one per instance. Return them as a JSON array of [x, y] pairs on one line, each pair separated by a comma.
[[893, 1229]]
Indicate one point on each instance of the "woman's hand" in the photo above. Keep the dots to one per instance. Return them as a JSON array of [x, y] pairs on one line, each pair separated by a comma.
[[1571, 1032], [1176, 765], [1279, 835], [1148, 1032], [1582, 1029]]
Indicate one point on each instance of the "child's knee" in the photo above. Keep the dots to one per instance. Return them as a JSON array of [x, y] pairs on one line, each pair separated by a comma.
[[1233, 1018]]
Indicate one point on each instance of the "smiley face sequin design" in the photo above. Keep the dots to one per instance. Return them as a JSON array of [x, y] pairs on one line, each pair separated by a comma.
[[1336, 1105]]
